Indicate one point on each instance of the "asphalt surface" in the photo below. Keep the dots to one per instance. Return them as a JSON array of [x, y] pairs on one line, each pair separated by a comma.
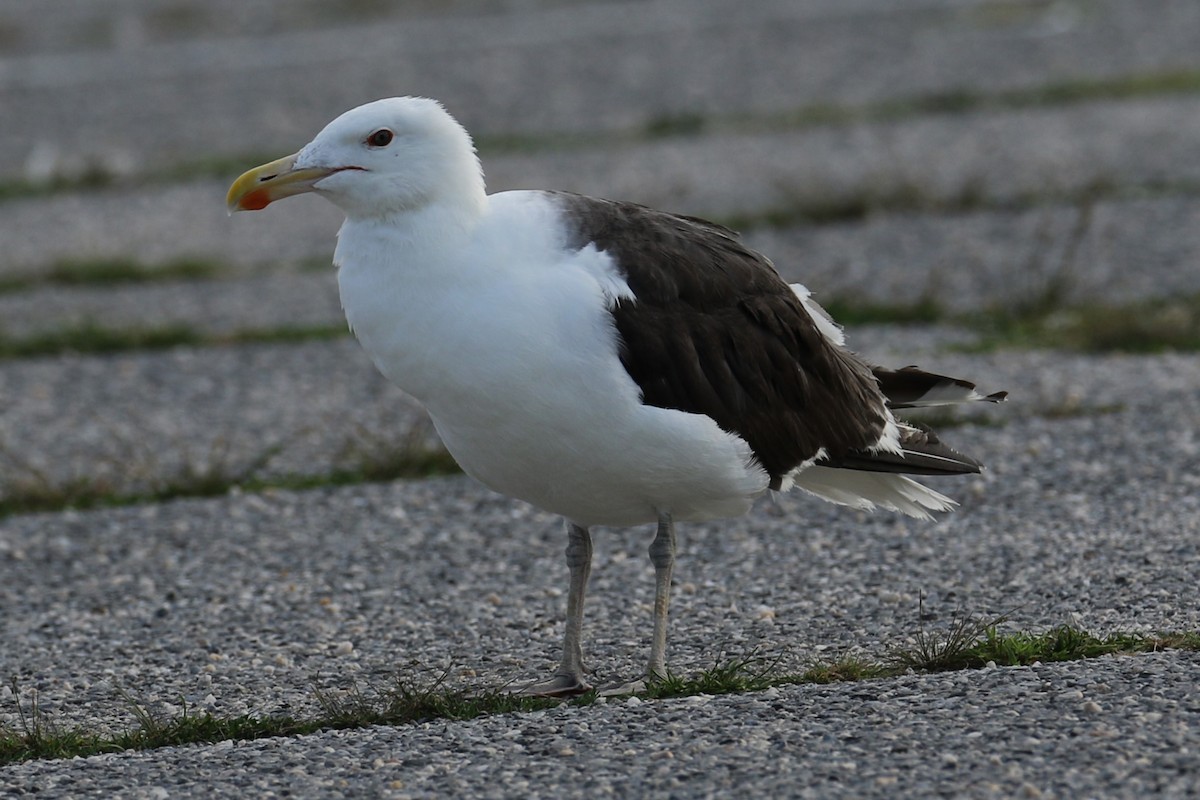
[[1089, 512]]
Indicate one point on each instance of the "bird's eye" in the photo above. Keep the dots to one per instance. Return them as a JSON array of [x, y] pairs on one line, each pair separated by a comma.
[[380, 138]]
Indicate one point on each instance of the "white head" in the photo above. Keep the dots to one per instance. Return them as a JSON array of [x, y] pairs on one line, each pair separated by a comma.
[[384, 158]]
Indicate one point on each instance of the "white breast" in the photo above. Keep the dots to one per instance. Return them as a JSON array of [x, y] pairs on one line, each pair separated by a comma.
[[507, 340]]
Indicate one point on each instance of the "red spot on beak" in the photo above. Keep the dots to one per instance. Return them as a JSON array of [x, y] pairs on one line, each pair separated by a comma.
[[256, 200]]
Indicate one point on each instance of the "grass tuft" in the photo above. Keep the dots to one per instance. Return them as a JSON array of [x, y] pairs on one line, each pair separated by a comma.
[[1063, 643], [939, 652], [844, 671], [750, 673]]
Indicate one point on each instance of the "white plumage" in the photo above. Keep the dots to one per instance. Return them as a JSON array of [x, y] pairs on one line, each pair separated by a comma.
[[522, 332], [508, 343]]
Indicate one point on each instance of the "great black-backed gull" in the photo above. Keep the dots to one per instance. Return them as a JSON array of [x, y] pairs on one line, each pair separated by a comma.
[[602, 360]]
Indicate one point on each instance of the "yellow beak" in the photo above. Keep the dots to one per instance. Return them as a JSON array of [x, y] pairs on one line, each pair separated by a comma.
[[257, 188]]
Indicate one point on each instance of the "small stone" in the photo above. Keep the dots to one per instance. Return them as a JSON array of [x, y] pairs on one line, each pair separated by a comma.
[[1092, 707], [343, 648]]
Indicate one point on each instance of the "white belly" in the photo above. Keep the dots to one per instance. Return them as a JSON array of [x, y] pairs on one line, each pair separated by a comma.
[[520, 373], [608, 466]]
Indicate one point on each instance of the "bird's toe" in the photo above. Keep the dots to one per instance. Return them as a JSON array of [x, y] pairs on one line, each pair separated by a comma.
[[622, 689], [559, 685]]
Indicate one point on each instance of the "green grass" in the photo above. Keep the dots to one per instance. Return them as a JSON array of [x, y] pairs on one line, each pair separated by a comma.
[[116, 271], [1048, 322], [90, 337], [968, 645], [750, 673], [1056, 94], [38, 492], [1151, 326], [849, 312], [904, 196], [972, 644], [1146, 327], [98, 178], [110, 271]]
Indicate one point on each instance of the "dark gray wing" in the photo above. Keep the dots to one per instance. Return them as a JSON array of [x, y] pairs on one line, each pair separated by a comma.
[[715, 330]]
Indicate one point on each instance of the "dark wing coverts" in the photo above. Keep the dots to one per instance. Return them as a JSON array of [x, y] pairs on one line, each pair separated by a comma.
[[715, 330]]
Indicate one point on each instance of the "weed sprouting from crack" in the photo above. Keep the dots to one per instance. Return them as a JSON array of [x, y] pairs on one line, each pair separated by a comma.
[[412, 699], [747, 673], [844, 670], [939, 652], [38, 736], [34, 728]]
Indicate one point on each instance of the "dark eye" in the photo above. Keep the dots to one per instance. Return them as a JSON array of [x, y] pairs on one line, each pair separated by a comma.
[[380, 138]]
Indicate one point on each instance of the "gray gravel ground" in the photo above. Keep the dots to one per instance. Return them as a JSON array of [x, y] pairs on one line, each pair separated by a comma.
[[245, 603], [582, 67], [1114, 727], [1114, 252], [997, 156], [217, 308], [116, 420]]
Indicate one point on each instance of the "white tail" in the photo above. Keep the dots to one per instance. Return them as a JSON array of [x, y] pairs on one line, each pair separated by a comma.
[[866, 490]]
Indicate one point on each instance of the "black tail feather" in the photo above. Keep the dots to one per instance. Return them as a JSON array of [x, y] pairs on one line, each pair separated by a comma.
[[922, 453], [910, 387]]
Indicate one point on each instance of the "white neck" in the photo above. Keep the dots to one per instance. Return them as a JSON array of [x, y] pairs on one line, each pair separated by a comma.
[[400, 278]]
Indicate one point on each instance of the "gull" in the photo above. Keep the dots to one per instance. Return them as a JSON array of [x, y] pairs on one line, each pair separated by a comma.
[[604, 361]]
